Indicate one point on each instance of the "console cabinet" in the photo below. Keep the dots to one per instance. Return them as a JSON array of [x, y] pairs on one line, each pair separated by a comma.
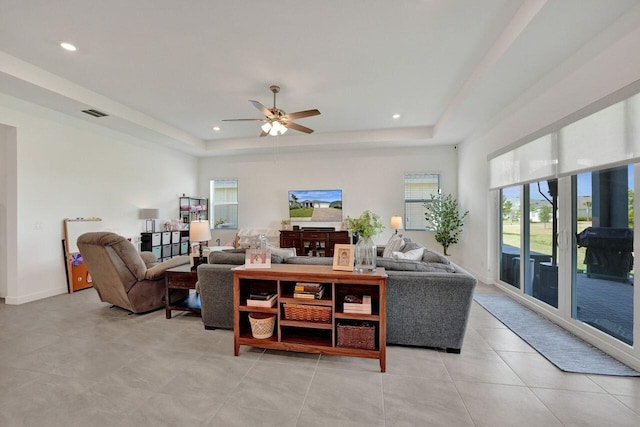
[[297, 333], [313, 242]]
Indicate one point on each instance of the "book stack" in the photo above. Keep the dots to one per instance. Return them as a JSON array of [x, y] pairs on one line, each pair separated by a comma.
[[261, 299], [354, 304], [308, 290]]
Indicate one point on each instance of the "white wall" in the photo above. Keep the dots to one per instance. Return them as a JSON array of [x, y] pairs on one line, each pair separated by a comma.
[[369, 179], [7, 153], [68, 168]]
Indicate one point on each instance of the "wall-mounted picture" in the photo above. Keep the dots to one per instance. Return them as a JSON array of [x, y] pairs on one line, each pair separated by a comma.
[[343, 257], [315, 205]]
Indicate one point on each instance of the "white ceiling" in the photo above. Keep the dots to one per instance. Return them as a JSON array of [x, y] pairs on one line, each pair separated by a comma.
[[168, 71]]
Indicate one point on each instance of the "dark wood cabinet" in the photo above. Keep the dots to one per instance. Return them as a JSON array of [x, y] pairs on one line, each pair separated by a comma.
[[313, 242]]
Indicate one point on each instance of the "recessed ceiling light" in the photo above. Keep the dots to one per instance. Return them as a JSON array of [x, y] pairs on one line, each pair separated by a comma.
[[396, 116], [68, 46], [216, 128]]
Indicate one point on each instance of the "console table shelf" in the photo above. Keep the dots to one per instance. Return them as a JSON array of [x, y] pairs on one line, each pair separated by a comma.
[[310, 336]]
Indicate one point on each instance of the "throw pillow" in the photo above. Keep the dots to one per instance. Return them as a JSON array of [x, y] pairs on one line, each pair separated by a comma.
[[413, 255], [395, 243], [431, 256], [285, 253], [410, 246]]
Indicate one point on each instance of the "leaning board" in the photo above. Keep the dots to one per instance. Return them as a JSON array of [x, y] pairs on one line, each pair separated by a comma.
[[77, 275]]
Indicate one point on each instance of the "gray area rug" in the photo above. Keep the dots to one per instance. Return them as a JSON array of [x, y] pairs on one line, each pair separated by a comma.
[[560, 347]]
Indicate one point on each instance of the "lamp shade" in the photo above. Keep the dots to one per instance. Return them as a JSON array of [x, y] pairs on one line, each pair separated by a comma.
[[149, 213], [396, 222], [199, 231]]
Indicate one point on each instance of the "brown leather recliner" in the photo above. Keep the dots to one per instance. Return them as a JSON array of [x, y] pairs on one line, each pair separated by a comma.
[[121, 275]]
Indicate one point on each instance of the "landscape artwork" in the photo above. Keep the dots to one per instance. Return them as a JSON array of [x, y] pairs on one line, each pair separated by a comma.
[[315, 205]]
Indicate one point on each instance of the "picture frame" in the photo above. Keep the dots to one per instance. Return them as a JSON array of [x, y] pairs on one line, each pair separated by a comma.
[[257, 258], [343, 257]]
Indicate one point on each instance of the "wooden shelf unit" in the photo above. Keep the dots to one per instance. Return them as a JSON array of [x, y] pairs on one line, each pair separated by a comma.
[[307, 336]]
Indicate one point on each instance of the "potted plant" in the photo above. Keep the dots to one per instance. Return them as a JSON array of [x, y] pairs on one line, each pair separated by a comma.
[[365, 227], [444, 218]]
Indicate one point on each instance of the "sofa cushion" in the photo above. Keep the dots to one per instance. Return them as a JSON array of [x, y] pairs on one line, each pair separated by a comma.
[[394, 244], [431, 256], [236, 258], [311, 260], [409, 265]]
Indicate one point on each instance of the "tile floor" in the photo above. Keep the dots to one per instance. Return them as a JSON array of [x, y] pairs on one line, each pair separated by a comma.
[[73, 361]]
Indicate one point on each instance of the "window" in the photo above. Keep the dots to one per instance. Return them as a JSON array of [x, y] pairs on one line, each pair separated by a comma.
[[224, 203], [418, 189]]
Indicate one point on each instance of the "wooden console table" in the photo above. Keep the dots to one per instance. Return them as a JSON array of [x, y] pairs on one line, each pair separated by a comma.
[[313, 242], [310, 336]]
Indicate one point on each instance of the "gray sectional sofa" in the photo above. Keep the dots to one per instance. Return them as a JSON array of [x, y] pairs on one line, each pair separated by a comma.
[[428, 301]]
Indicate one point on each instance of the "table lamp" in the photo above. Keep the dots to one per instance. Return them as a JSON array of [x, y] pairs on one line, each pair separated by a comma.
[[396, 223], [199, 231], [150, 215]]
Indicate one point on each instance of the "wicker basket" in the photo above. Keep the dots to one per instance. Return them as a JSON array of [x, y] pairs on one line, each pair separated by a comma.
[[262, 324], [357, 336], [308, 313]]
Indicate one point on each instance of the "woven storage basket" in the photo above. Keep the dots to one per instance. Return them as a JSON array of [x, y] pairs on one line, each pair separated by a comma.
[[262, 324], [357, 336], [308, 313]]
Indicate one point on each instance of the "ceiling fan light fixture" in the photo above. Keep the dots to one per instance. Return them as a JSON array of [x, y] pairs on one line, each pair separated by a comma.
[[266, 127]]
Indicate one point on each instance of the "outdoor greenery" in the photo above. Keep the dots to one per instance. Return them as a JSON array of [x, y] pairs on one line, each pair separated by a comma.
[[445, 219], [301, 212], [366, 225]]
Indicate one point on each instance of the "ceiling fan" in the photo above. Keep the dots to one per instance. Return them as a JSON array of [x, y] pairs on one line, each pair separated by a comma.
[[276, 120]]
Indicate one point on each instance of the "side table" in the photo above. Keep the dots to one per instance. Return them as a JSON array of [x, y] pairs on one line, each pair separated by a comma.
[[179, 280]]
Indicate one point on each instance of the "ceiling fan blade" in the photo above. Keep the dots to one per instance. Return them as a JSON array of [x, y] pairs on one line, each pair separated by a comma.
[[301, 114], [297, 127], [244, 120], [262, 108]]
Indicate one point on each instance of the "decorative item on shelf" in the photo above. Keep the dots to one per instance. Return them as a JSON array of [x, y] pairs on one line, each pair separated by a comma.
[[396, 223], [444, 218], [199, 231], [262, 324], [365, 226], [219, 222], [257, 258], [150, 216], [343, 256], [358, 335]]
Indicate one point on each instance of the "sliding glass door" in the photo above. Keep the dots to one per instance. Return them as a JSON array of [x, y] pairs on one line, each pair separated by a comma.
[[602, 288], [510, 235], [541, 232]]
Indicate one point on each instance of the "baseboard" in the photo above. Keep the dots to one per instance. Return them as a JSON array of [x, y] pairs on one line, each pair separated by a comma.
[[23, 299]]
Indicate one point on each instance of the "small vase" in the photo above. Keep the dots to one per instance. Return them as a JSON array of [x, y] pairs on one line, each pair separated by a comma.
[[365, 255]]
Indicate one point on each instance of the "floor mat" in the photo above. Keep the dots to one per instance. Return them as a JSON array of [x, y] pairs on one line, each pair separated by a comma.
[[560, 347]]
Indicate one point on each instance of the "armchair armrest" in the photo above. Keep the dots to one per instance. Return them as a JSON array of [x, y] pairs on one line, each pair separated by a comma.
[[149, 258], [157, 272]]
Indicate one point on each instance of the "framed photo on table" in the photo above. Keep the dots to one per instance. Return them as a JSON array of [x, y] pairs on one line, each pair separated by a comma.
[[343, 257], [257, 258]]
